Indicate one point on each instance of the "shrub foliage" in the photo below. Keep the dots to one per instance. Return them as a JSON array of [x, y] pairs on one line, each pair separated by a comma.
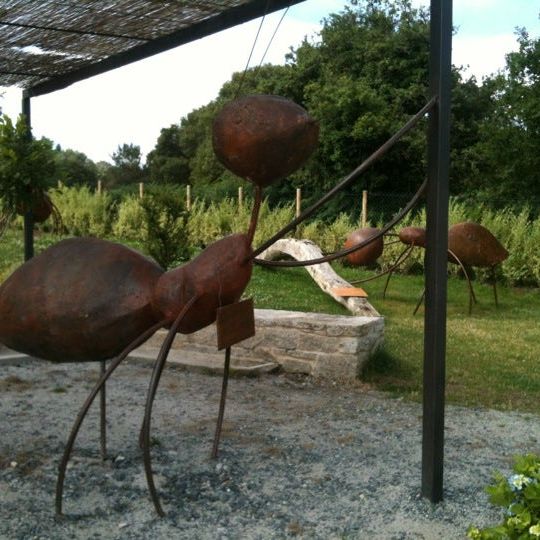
[[164, 228]]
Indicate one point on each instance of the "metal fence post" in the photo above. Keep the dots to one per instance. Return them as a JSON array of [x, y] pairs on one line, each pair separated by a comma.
[[28, 217], [436, 251]]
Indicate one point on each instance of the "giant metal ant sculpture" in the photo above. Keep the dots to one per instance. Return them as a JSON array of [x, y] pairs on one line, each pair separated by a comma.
[[86, 300], [469, 245]]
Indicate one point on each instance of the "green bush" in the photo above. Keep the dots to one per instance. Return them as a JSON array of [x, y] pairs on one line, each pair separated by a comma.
[[130, 221], [208, 223], [27, 166], [165, 217], [83, 212], [86, 213], [519, 495], [515, 231], [271, 221]]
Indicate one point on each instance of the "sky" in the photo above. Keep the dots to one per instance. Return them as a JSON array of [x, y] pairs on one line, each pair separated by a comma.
[[132, 104]]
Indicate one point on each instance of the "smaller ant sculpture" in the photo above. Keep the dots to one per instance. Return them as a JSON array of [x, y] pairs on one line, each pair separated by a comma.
[[469, 245], [42, 208]]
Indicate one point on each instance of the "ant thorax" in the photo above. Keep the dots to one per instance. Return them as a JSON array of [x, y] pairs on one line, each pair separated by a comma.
[[216, 277]]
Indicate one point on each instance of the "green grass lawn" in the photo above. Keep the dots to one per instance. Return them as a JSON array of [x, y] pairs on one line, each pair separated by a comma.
[[493, 355]]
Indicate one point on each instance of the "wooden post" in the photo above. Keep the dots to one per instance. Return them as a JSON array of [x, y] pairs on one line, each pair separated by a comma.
[[188, 197], [298, 201], [59, 184], [240, 197], [141, 190], [364, 209], [99, 188]]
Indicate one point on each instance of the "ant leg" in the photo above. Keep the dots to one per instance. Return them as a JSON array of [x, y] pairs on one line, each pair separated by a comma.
[[399, 260], [494, 280], [103, 413], [89, 400], [472, 296], [404, 255], [154, 382], [420, 300], [219, 425]]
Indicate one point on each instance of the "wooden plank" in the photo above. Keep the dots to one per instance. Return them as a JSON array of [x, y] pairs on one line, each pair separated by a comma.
[[235, 323], [350, 291]]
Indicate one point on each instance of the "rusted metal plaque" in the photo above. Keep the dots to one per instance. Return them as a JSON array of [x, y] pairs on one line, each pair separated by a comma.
[[350, 291], [235, 323]]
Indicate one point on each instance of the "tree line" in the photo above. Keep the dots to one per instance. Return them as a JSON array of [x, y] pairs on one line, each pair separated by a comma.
[[362, 80]]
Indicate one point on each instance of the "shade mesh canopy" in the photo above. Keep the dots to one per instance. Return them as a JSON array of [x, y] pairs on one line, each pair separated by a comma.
[[48, 44]]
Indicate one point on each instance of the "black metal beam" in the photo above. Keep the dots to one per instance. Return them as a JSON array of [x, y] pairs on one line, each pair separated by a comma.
[[226, 19], [436, 251], [28, 217]]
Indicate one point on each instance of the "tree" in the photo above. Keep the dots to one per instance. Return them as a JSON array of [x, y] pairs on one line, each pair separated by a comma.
[[127, 167], [509, 146], [75, 168], [168, 163], [27, 166], [362, 80]]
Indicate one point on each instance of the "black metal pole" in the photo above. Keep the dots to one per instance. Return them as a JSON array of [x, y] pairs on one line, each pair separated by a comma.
[[28, 218], [436, 254]]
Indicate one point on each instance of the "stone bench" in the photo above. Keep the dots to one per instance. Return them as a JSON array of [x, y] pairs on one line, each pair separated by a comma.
[[321, 345]]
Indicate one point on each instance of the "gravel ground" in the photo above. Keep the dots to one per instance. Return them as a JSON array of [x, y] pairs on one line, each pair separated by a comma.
[[297, 459]]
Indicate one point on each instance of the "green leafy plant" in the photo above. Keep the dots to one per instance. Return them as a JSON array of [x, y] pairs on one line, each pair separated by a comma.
[[130, 221], [84, 213], [165, 219], [519, 494], [27, 166]]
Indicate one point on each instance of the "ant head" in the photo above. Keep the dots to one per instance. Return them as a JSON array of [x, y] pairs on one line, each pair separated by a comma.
[[263, 138], [413, 236]]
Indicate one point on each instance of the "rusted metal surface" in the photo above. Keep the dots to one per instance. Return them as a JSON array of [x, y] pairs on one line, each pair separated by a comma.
[[235, 323], [351, 177], [413, 236], [41, 206], [263, 138], [475, 245], [217, 277], [83, 299], [471, 243], [368, 254]]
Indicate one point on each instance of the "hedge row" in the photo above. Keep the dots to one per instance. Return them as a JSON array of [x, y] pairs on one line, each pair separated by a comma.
[[86, 213]]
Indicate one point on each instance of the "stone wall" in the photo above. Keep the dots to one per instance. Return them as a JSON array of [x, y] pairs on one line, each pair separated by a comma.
[[322, 345]]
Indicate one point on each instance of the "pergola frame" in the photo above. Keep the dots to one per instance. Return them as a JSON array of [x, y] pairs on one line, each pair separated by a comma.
[[437, 193]]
